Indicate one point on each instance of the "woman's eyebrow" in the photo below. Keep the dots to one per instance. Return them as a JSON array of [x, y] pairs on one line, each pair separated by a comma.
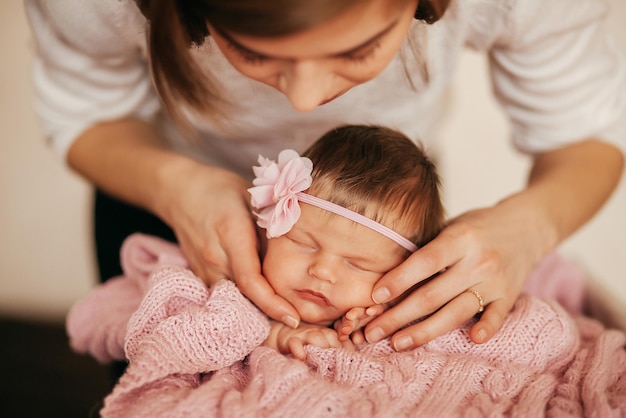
[[365, 44]]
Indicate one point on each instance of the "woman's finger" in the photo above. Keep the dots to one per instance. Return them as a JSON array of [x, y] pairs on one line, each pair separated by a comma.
[[421, 302], [258, 290], [424, 263], [451, 316], [490, 321], [208, 262], [240, 245]]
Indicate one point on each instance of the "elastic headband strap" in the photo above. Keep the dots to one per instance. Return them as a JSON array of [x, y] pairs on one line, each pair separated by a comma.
[[358, 218]]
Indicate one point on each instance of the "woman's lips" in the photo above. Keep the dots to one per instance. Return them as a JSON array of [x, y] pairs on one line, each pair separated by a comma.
[[313, 296]]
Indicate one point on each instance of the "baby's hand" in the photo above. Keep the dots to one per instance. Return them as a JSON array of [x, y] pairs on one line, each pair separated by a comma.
[[288, 340], [350, 327]]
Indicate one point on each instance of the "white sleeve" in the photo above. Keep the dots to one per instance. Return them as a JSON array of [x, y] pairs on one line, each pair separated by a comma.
[[558, 75], [89, 65]]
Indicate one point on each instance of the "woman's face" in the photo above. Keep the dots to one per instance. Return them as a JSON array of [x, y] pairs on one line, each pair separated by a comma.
[[317, 65], [327, 264]]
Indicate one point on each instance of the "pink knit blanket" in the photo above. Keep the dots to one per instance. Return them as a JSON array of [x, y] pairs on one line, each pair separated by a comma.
[[195, 352]]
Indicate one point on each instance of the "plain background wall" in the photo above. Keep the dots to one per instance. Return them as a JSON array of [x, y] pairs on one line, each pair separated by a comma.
[[46, 259]]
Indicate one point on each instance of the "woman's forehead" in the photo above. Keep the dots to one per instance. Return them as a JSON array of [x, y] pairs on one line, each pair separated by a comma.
[[364, 23]]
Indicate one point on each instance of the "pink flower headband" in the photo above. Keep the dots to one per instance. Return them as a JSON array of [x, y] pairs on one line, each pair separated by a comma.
[[279, 186]]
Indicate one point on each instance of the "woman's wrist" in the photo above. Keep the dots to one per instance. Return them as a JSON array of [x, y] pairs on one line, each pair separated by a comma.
[[572, 183], [175, 170], [527, 210], [566, 188], [181, 180]]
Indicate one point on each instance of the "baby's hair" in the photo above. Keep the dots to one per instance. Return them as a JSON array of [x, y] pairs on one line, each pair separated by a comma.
[[379, 173], [177, 25]]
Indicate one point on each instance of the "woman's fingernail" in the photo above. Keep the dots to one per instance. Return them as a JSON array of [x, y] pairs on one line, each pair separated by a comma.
[[481, 335], [374, 335], [403, 343], [290, 321], [381, 295]]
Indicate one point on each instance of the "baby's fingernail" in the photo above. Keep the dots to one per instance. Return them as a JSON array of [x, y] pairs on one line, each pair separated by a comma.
[[381, 295], [290, 321], [403, 343], [375, 335]]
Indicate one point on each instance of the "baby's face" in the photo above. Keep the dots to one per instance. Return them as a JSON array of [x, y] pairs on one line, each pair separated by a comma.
[[328, 264]]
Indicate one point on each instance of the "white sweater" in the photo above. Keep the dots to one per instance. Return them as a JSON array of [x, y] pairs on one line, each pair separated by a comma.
[[555, 72]]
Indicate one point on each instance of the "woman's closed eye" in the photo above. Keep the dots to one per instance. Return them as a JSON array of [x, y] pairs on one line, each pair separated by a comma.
[[356, 57], [248, 56], [362, 54]]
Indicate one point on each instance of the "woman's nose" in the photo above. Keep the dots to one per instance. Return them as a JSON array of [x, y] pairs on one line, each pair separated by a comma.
[[305, 83]]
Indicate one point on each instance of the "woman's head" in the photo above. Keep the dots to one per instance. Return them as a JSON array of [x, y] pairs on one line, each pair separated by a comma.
[[324, 263], [312, 51]]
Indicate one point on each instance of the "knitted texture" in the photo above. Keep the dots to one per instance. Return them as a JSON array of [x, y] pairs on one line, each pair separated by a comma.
[[194, 352], [555, 278], [543, 363], [96, 324], [182, 327]]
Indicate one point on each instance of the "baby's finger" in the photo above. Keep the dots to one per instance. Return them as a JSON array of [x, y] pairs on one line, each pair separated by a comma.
[[358, 337], [347, 345], [375, 310], [346, 328], [296, 347], [355, 314]]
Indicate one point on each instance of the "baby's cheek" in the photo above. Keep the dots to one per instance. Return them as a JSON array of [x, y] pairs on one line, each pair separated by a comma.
[[356, 297]]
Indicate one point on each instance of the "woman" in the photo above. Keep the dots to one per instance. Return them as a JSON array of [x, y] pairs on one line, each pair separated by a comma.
[[246, 77]]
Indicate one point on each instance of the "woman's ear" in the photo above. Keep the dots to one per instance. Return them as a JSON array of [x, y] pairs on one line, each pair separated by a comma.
[[431, 11]]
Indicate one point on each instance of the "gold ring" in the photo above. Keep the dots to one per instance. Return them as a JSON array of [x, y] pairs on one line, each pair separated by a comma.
[[481, 301]]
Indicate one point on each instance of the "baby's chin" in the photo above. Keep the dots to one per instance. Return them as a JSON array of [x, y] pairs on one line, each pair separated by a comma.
[[314, 314]]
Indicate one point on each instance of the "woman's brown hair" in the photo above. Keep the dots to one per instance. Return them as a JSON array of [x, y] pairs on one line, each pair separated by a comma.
[[175, 26], [379, 173]]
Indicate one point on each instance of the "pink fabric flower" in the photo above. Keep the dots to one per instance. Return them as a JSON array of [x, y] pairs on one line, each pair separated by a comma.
[[274, 195]]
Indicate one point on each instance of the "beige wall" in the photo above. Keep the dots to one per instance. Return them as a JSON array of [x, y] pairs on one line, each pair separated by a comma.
[[46, 259]]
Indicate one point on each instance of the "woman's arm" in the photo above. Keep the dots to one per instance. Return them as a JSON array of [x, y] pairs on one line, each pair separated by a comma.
[[205, 206], [94, 96], [127, 159], [492, 250], [560, 81]]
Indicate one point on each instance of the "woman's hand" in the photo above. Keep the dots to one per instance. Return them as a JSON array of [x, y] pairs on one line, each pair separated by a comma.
[[292, 341], [492, 251], [210, 215], [207, 207], [488, 251]]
